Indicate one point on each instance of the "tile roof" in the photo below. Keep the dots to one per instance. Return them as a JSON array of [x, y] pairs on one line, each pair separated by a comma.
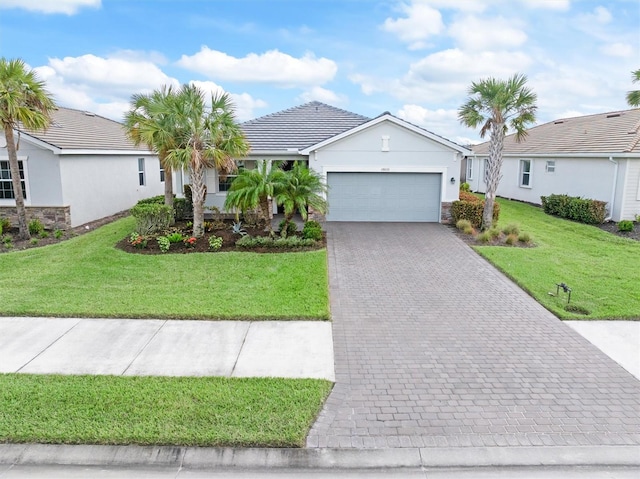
[[613, 132], [299, 127], [79, 130]]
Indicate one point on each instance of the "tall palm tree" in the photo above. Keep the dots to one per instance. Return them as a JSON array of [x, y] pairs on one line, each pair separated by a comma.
[[24, 101], [253, 188], [633, 97], [301, 189], [150, 121], [206, 137], [498, 105]]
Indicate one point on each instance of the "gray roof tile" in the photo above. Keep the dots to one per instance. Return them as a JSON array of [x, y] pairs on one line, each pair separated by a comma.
[[613, 132], [299, 127], [79, 130]]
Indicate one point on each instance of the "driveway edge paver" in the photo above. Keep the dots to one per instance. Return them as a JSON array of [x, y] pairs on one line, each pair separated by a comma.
[[207, 457]]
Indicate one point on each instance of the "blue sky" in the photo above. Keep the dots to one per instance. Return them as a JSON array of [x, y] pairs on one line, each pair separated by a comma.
[[413, 58]]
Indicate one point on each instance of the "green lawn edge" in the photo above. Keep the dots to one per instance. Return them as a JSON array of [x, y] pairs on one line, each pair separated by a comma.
[[178, 411], [602, 269], [87, 276]]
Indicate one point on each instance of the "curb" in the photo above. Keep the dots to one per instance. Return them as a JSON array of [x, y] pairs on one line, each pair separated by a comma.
[[209, 457]]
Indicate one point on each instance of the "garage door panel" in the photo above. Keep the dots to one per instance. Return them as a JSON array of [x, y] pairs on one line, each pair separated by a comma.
[[384, 197]]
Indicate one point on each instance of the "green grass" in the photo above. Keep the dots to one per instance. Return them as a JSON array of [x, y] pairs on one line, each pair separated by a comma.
[[260, 412], [603, 270], [88, 277]]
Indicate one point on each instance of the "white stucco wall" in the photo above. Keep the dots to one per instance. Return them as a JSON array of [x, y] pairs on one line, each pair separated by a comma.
[[96, 186], [585, 177], [408, 152], [630, 203]]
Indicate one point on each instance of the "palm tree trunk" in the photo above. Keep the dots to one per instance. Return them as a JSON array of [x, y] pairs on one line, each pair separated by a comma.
[[196, 172], [168, 186], [494, 165], [17, 184], [264, 213]]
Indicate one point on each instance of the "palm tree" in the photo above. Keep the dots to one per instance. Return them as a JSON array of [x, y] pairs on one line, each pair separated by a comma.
[[150, 121], [24, 101], [252, 188], [205, 137], [498, 105], [633, 97], [301, 189]]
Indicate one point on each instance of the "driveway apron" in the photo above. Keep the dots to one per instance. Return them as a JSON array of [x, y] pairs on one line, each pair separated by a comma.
[[436, 348]]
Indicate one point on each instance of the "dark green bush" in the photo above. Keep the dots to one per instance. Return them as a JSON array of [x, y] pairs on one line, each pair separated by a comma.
[[35, 227], [182, 208], [5, 224], [583, 210], [291, 227], [152, 218], [275, 243], [625, 226], [472, 211], [312, 230], [153, 200]]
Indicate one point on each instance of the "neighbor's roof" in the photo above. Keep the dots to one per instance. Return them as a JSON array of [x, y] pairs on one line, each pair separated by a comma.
[[299, 127], [80, 130], [613, 132]]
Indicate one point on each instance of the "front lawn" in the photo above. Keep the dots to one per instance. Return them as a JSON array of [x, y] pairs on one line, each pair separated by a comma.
[[88, 277], [255, 412], [603, 270]]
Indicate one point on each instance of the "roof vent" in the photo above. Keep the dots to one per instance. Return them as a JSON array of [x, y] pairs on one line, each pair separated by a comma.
[[88, 113], [613, 115], [558, 122]]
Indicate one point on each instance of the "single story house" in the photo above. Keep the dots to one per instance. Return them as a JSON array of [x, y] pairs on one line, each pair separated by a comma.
[[377, 169], [593, 156], [81, 169]]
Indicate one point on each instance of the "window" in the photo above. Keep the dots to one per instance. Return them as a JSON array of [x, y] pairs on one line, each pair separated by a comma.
[[141, 178], [469, 169], [161, 174], [550, 167], [6, 188], [525, 173], [224, 184]]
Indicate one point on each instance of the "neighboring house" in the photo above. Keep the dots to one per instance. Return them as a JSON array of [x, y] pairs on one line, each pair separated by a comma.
[[594, 156], [81, 169], [380, 169]]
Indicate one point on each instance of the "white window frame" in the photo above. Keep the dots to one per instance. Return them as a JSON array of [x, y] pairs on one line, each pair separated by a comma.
[[550, 166], [142, 177], [161, 174], [239, 164], [25, 186], [469, 169], [522, 173]]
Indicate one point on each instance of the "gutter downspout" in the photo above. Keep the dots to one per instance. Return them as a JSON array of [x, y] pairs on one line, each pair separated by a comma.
[[613, 188]]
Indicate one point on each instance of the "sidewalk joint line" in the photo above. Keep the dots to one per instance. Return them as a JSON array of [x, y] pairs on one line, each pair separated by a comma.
[[244, 339], [144, 346], [49, 345]]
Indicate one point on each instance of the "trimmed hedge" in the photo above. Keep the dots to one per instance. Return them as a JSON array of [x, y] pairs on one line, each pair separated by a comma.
[[583, 210], [151, 218], [472, 211]]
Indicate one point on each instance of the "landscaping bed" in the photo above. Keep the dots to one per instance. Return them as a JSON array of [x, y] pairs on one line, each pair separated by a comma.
[[612, 227]]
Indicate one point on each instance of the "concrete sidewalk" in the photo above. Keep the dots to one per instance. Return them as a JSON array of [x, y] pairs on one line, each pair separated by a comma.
[[290, 349]]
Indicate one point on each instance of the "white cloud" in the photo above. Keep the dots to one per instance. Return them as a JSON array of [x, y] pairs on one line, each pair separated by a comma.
[[600, 15], [443, 122], [473, 33], [244, 103], [272, 67], [68, 7], [421, 22], [322, 94], [617, 50], [560, 5]]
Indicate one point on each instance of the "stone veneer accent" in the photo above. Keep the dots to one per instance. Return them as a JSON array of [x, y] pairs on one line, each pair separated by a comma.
[[445, 212], [52, 217]]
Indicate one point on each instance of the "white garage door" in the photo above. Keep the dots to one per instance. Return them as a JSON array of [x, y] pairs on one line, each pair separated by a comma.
[[410, 197]]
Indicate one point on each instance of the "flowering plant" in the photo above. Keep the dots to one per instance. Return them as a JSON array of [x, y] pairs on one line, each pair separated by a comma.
[[190, 241], [138, 240]]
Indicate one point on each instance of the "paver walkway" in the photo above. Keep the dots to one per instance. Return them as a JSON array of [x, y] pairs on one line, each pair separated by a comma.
[[436, 348]]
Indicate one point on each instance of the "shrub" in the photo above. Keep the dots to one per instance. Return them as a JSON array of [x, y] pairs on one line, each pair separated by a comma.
[[58, 234], [312, 230], [154, 200], [5, 224], [524, 237], [175, 237], [35, 227], [484, 237], [44, 234], [463, 224], [465, 186], [472, 211], [215, 243], [190, 241], [33, 241], [511, 229], [511, 239], [575, 208], [625, 226], [137, 240], [163, 243], [469, 230], [152, 218], [466, 196], [182, 209], [275, 243], [291, 227], [494, 233], [7, 241]]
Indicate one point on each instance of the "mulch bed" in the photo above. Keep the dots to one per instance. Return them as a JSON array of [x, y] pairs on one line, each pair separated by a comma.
[[202, 244], [612, 227]]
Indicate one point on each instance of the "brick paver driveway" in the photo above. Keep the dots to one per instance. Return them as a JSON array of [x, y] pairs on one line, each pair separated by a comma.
[[434, 347]]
